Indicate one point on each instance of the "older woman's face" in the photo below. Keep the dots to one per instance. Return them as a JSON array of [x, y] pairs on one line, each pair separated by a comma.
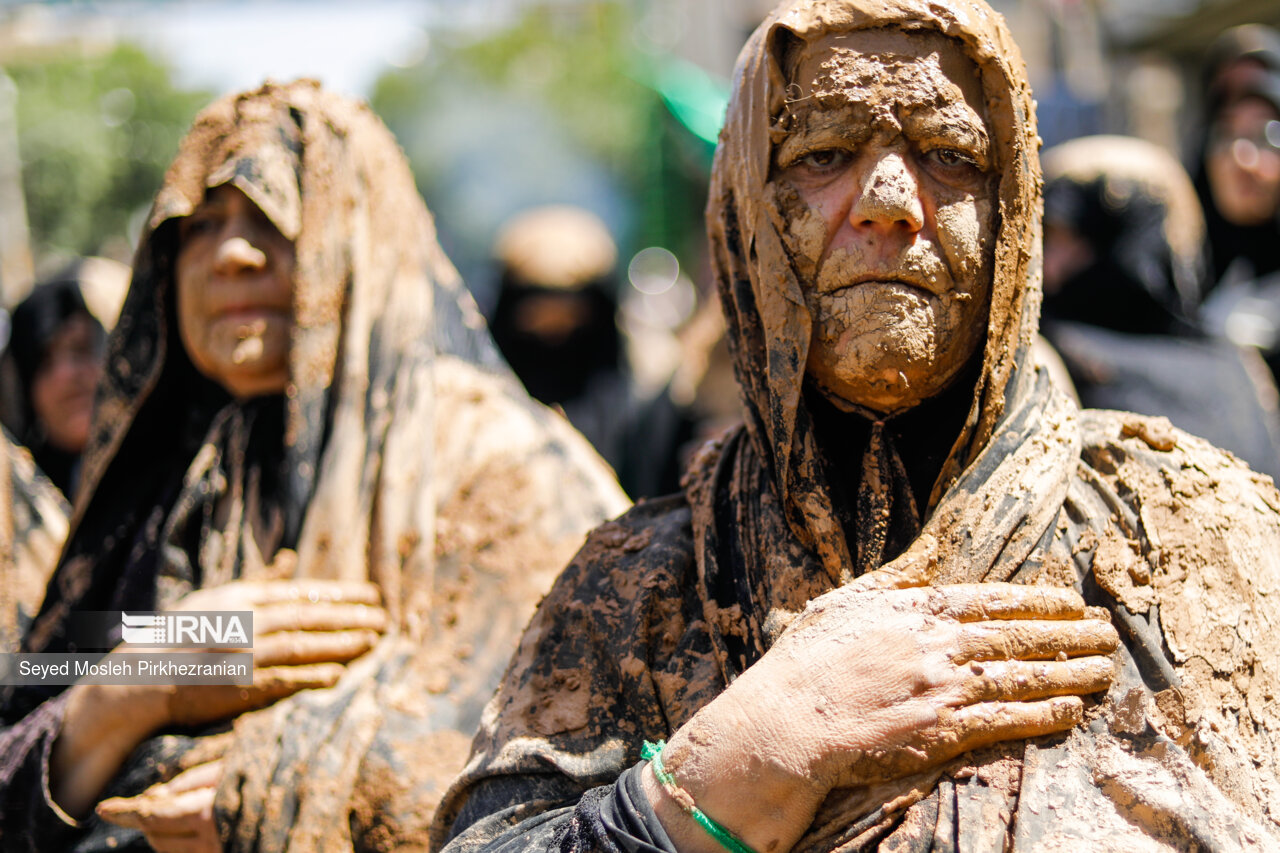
[[235, 294], [886, 182]]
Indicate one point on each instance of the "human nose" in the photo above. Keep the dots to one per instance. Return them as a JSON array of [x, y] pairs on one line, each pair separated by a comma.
[[236, 254], [889, 197]]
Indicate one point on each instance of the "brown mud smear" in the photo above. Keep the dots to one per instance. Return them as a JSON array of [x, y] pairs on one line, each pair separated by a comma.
[[1157, 432], [890, 342]]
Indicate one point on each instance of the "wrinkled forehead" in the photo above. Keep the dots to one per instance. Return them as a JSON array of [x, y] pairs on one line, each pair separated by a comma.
[[884, 70]]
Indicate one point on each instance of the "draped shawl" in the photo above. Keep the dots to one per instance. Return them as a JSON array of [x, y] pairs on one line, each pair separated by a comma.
[[665, 607], [33, 525], [402, 452]]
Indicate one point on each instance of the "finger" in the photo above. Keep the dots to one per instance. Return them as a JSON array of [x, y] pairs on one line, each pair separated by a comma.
[[972, 726], [122, 811], [160, 811], [959, 730], [980, 602], [276, 682], [1022, 681], [200, 776], [1034, 640], [294, 648], [206, 704], [284, 564], [305, 589], [321, 616]]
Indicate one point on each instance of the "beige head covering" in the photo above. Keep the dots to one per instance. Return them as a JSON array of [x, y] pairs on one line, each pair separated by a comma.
[[557, 246]]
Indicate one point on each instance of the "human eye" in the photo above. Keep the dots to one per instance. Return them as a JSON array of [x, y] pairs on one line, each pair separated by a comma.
[[952, 165], [197, 224], [826, 160], [952, 158]]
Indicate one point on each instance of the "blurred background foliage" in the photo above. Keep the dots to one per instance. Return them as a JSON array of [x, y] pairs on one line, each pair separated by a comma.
[[95, 134], [565, 105]]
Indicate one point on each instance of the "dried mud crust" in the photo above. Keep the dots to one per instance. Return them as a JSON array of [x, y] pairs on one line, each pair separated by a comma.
[[405, 726], [906, 339], [33, 525], [1205, 555]]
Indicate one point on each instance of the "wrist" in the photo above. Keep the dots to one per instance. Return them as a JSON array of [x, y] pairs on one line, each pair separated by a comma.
[[97, 734], [713, 829], [733, 773], [122, 715]]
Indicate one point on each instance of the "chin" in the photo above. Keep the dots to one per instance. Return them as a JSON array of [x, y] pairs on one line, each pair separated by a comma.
[[257, 388], [244, 384], [887, 385]]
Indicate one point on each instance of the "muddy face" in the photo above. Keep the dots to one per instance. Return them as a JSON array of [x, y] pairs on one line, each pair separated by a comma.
[[886, 180], [235, 294]]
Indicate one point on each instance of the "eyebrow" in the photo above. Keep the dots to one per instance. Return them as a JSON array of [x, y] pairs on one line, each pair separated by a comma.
[[964, 126], [805, 140], [847, 121]]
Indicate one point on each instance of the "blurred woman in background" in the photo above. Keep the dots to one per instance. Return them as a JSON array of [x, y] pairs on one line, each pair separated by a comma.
[[55, 362], [1124, 267]]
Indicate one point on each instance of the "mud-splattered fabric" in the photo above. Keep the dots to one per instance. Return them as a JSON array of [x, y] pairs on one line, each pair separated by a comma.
[[665, 607], [33, 526], [402, 453]]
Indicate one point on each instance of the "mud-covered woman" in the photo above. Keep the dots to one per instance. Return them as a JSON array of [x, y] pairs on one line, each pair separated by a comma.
[[302, 416], [917, 601]]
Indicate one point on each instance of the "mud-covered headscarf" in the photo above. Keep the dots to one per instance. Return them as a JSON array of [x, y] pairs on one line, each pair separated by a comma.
[[771, 486], [331, 467]]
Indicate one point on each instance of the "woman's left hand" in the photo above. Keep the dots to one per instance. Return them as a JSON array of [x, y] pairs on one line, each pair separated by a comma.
[[176, 816]]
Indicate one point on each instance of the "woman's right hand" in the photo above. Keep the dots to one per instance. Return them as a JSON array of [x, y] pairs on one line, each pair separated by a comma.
[[305, 632], [870, 685]]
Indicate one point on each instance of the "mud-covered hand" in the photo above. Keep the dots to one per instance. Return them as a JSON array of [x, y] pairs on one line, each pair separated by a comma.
[[305, 632], [869, 685], [175, 817]]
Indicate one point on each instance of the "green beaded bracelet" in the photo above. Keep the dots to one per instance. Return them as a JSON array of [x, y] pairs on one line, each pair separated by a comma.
[[652, 752]]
